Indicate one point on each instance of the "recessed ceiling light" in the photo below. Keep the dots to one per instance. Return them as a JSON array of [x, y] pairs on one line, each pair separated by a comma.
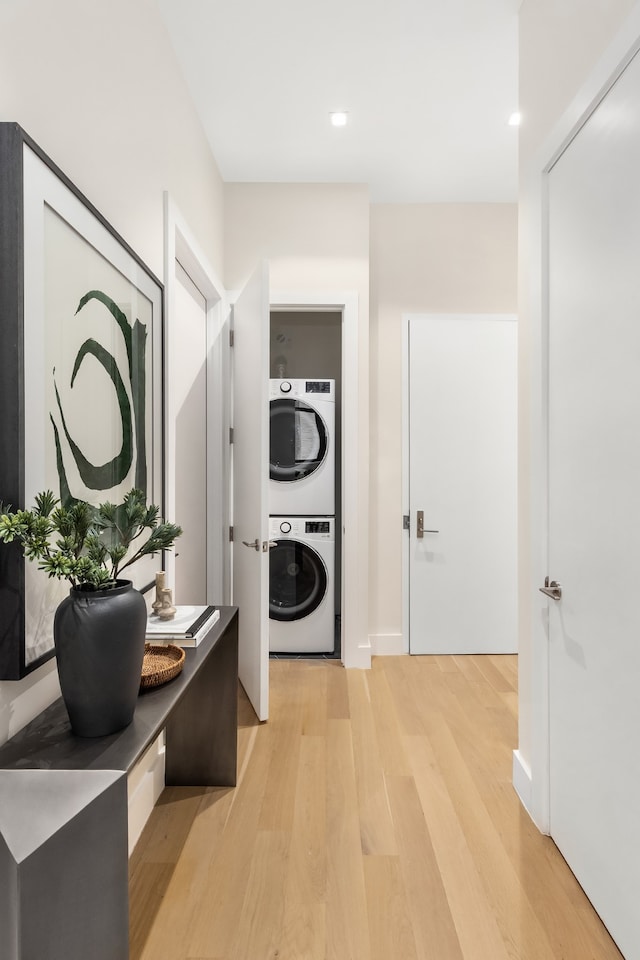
[[515, 119], [339, 118]]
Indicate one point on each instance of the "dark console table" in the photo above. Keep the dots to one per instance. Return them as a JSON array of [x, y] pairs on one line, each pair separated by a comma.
[[63, 805]]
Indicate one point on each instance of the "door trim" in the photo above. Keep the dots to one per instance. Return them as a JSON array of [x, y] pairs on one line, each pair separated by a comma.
[[532, 757], [406, 534], [356, 646], [181, 245]]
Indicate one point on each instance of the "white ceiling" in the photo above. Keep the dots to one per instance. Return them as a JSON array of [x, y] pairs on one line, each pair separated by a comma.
[[428, 84]]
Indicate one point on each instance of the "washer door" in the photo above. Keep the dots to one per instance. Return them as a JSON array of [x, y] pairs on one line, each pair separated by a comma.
[[297, 580], [298, 440]]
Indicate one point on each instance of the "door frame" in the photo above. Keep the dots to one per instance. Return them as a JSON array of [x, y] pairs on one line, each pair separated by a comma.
[[531, 766], [355, 645], [181, 245]]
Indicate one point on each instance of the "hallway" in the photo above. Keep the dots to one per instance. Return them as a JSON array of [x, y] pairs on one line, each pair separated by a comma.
[[374, 819]]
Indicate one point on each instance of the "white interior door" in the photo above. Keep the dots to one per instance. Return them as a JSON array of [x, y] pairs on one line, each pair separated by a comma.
[[462, 484], [250, 486], [594, 507], [189, 386]]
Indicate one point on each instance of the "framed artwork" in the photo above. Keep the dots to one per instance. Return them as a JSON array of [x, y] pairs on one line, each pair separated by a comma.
[[80, 376]]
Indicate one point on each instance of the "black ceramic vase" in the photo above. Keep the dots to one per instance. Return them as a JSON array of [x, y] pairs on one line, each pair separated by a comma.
[[99, 638]]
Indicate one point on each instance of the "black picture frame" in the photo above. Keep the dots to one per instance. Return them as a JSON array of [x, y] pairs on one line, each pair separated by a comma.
[[54, 243]]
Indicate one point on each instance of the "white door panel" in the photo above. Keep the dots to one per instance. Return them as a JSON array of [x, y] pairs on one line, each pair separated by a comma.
[[462, 476], [250, 486], [594, 507]]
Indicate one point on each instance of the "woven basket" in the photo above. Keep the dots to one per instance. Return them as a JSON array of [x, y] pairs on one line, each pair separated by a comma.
[[160, 664]]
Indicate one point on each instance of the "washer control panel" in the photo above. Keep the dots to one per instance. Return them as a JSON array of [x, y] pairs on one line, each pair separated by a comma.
[[305, 528], [316, 390]]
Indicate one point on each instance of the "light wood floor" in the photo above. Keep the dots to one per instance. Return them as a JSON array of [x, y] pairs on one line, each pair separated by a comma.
[[374, 819]]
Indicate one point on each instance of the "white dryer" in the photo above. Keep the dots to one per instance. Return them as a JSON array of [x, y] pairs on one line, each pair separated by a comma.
[[302, 447], [301, 584]]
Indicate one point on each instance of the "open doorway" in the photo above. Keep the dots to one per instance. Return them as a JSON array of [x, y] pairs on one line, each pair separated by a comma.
[[305, 360]]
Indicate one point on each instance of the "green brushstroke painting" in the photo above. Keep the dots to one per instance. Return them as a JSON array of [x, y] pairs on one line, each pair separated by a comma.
[[105, 476]]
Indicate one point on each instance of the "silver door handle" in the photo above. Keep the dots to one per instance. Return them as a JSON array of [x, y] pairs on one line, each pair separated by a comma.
[[268, 545], [420, 530], [551, 589], [255, 544]]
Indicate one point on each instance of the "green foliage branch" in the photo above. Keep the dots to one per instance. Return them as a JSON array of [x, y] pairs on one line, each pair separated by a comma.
[[86, 545]]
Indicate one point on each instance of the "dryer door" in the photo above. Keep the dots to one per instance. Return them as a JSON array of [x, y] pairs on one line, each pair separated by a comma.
[[297, 580], [298, 440]]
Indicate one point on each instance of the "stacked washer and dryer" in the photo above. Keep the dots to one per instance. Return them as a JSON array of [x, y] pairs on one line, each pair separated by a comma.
[[302, 516]]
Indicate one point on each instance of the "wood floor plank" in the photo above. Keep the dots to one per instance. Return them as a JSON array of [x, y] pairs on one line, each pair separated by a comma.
[[337, 693], [469, 669], [507, 664], [390, 927], [184, 879], [483, 692], [178, 909], [385, 717], [314, 697], [148, 886], [510, 700], [431, 918], [283, 734], [376, 828], [408, 708], [446, 664], [260, 924], [347, 929], [170, 829], [495, 677], [306, 884], [304, 931]]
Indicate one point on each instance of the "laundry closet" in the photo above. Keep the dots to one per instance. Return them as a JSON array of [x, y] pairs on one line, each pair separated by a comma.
[[305, 520]]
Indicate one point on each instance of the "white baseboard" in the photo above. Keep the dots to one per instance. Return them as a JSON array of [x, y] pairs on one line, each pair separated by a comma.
[[522, 781], [357, 657], [386, 644], [145, 784]]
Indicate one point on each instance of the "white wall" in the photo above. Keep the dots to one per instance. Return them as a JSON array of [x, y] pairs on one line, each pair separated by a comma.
[[315, 236], [560, 44], [425, 258], [97, 87]]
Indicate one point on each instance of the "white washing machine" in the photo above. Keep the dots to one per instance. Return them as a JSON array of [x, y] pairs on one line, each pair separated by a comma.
[[301, 584], [302, 447]]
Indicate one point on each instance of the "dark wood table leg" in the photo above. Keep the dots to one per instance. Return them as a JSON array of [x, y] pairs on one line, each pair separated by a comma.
[[201, 735]]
